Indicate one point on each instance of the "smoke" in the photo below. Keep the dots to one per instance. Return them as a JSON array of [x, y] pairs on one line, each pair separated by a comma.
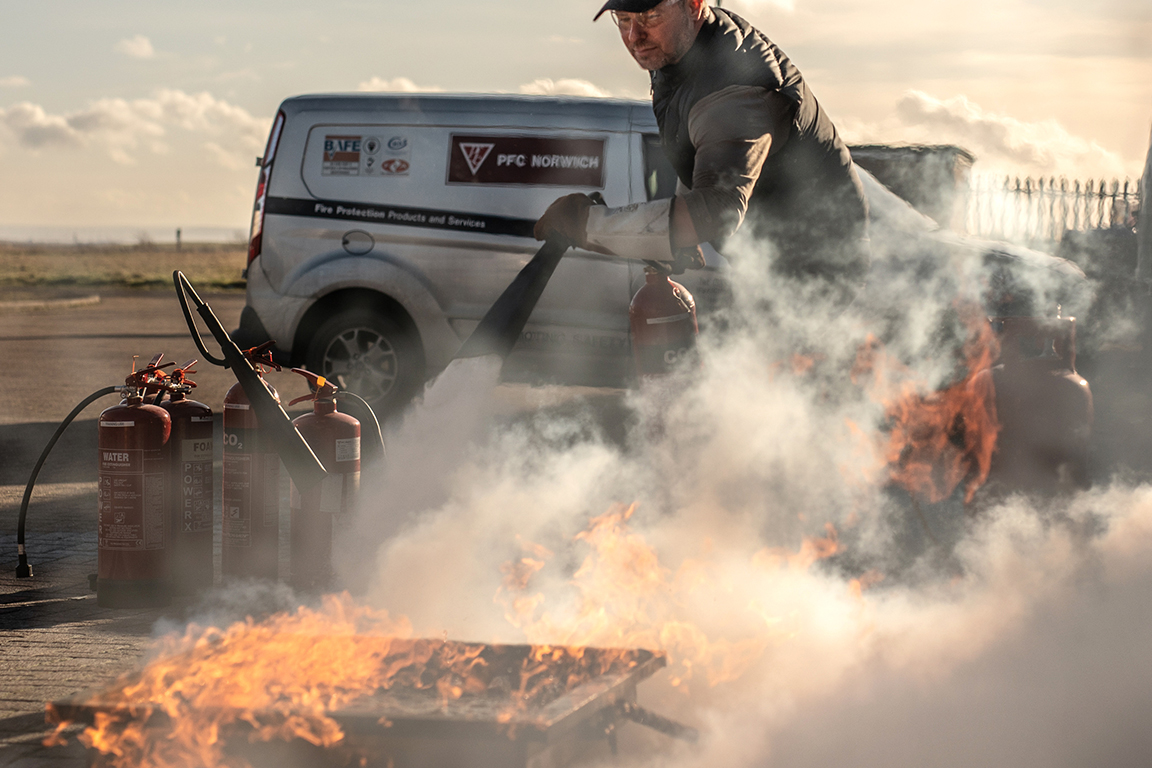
[[1000, 142], [810, 615], [14, 81], [125, 128]]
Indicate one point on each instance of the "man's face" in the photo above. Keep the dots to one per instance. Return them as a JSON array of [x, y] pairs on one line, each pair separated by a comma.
[[662, 35]]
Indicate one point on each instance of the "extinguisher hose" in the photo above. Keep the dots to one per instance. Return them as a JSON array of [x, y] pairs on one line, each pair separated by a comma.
[[23, 570], [370, 427], [183, 288]]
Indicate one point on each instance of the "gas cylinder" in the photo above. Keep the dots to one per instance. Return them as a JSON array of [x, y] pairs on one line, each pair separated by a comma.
[[1044, 406], [131, 558], [250, 547], [662, 317], [189, 485], [335, 439]]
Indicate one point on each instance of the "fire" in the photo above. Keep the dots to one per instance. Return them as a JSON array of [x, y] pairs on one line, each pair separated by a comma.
[[938, 440], [283, 678], [628, 598]]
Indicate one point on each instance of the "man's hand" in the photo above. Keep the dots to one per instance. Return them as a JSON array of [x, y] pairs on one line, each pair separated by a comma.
[[687, 258], [566, 217]]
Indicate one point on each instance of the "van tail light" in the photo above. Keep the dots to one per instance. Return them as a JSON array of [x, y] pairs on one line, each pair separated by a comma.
[[255, 238]]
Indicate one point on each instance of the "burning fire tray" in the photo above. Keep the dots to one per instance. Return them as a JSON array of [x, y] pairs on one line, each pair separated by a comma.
[[438, 704]]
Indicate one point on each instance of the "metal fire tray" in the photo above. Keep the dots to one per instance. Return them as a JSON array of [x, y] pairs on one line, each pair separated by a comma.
[[415, 726]]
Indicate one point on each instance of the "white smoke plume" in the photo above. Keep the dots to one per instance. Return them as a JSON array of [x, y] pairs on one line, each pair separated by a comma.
[[1000, 142], [956, 636], [14, 81], [123, 127]]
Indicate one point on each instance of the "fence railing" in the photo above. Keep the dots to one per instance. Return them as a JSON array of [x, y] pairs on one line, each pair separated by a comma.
[[1042, 210]]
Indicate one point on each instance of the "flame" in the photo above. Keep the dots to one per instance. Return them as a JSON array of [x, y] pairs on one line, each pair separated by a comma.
[[283, 677], [627, 598], [936, 441]]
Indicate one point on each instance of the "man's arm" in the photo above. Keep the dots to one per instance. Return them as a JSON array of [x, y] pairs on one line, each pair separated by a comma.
[[733, 130]]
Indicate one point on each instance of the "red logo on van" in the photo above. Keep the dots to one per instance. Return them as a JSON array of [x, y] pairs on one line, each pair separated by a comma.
[[394, 166]]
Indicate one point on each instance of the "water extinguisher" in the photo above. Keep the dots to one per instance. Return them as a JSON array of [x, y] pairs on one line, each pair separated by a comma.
[[250, 546], [190, 486], [335, 439], [132, 524], [662, 318]]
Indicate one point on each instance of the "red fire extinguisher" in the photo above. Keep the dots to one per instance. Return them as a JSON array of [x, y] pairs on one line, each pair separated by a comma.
[[251, 496], [335, 439], [132, 536], [189, 484], [662, 317]]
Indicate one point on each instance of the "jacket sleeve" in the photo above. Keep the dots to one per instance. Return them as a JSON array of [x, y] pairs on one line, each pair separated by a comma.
[[733, 130]]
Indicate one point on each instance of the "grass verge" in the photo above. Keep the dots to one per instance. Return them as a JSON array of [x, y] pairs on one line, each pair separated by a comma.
[[214, 266]]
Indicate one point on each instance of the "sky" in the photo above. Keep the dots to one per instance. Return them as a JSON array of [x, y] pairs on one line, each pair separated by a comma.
[[151, 114]]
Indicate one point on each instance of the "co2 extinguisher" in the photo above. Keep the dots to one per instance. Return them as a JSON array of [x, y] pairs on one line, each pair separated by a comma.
[[132, 525], [662, 318], [335, 439], [190, 486], [251, 484]]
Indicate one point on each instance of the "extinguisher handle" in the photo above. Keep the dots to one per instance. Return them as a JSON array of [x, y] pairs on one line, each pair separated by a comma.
[[302, 464]]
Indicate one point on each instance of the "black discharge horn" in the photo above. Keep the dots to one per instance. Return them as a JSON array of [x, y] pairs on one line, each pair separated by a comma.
[[504, 322], [303, 466]]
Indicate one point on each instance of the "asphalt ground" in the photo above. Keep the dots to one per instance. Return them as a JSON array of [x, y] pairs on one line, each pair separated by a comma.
[[57, 347]]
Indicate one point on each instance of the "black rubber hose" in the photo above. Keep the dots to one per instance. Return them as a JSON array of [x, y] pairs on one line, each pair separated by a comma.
[[23, 570], [369, 427], [182, 289]]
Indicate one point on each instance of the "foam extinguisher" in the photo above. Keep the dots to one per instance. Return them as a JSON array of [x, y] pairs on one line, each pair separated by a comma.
[[250, 546], [190, 497], [662, 318], [335, 439], [132, 527]]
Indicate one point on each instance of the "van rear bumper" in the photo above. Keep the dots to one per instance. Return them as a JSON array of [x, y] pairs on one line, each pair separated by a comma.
[[251, 332]]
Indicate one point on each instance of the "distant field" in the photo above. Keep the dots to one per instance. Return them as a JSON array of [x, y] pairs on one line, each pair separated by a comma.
[[148, 265]]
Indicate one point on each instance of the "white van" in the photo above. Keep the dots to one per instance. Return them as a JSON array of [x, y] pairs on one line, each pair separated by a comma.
[[386, 225]]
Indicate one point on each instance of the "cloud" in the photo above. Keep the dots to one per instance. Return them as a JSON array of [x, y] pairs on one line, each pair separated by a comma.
[[122, 127], [544, 86], [395, 85], [14, 81], [1000, 142], [138, 47]]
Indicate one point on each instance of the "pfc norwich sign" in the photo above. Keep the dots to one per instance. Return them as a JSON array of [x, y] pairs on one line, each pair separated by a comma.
[[526, 160]]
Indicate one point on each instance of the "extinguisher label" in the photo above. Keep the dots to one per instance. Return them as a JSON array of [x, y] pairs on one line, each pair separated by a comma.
[[196, 486], [336, 494], [130, 502], [348, 449], [660, 358]]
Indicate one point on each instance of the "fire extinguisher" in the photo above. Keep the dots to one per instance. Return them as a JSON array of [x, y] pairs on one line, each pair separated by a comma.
[[335, 438], [251, 499], [662, 318], [190, 497], [132, 527]]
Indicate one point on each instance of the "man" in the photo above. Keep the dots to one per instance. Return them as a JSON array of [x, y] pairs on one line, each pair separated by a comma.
[[750, 144]]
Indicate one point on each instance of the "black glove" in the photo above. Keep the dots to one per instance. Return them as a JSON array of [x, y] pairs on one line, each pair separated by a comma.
[[566, 217], [687, 258]]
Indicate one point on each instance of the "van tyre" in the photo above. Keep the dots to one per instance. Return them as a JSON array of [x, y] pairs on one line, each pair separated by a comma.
[[373, 355]]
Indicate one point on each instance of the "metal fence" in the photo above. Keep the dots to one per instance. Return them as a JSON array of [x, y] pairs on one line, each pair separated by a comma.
[[1042, 210]]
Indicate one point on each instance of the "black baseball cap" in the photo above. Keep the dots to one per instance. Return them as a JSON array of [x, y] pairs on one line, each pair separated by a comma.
[[628, 6]]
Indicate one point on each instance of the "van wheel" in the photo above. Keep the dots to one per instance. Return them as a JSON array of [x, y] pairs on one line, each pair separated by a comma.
[[372, 354]]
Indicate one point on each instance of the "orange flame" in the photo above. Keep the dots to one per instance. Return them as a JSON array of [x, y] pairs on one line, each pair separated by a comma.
[[283, 677], [938, 440]]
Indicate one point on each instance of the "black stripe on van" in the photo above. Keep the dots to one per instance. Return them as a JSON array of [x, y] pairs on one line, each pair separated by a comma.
[[403, 217]]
